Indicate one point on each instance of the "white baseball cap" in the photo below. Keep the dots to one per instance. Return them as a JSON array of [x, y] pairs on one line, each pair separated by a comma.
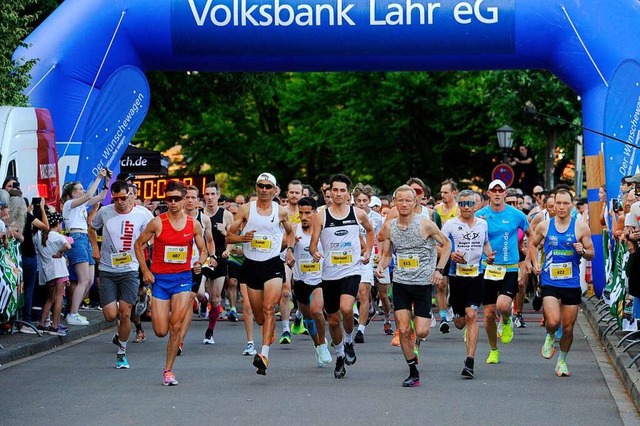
[[497, 182], [375, 201], [268, 177]]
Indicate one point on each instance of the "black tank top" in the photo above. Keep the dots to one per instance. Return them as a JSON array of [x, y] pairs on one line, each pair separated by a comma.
[[218, 237]]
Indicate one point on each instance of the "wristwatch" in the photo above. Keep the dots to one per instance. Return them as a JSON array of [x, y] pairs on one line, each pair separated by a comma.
[[583, 252], [441, 270]]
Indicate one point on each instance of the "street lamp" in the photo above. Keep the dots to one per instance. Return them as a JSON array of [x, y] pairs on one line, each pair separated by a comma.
[[505, 141]]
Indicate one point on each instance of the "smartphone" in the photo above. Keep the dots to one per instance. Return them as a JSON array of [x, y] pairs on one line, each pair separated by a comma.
[[615, 205], [36, 201]]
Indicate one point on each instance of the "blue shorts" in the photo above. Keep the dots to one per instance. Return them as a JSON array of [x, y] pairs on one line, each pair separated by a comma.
[[80, 249], [166, 285]]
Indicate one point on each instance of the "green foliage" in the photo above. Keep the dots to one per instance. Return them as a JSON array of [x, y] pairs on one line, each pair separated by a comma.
[[15, 24], [379, 128]]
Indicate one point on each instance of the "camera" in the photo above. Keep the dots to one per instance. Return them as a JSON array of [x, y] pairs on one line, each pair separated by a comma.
[[36, 201]]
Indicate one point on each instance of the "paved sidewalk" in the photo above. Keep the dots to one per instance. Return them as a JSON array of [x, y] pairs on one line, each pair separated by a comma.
[[17, 346]]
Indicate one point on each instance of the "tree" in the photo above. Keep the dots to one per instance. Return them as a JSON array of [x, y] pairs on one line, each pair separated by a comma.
[[15, 23]]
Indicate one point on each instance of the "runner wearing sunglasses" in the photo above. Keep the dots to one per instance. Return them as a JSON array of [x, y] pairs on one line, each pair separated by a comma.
[[262, 271], [501, 277]]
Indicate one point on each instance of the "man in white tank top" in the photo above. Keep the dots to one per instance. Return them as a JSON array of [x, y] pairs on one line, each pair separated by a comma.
[[263, 271], [337, 228]]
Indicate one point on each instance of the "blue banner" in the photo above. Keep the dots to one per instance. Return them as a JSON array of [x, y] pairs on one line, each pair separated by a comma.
[[622, 120], [114, 119], [342, 27]]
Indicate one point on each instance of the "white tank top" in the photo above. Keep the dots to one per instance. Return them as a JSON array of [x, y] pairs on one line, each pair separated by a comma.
[[340, 239], [305, 269], [267, 239]]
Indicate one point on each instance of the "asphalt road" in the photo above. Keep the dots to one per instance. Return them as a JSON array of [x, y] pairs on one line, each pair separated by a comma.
[[79, 385]]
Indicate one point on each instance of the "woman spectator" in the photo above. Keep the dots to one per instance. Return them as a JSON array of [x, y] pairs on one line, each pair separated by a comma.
[[50, 246], [28, 251], [75, 202]]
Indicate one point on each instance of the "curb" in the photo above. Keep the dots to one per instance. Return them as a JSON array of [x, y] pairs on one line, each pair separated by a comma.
[[630, 377], [18, 345]]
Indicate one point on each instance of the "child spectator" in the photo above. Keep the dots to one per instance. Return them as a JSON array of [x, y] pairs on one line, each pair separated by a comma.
[[50, 246]]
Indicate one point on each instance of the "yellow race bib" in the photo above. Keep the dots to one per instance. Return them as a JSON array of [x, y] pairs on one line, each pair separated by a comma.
[[120, 260], [561, 271], [408, 261], [310, 267], [343, 257], [464, 270], [175, 254], [262, 243], [495, 272]]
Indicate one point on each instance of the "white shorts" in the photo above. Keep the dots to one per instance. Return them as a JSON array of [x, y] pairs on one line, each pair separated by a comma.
[[366, 273]]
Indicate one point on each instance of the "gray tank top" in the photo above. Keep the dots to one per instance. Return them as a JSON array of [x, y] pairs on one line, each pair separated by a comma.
[[416, 257]]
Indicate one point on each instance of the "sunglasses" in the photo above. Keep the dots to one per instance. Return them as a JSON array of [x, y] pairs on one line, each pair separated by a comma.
[[264, 186], [466, 203], [497, 190], [174, 198], [538, 194], [119, 197]]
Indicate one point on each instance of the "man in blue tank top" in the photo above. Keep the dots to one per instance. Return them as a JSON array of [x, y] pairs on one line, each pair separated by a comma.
[[565, 242]]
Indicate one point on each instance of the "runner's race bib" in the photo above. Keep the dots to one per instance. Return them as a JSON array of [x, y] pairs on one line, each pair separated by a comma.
[[121, 260], [495, 272], [309, 267], [175, 254], [408, 261], [341, 257], [561, 271], [464, 270], [262, 243]]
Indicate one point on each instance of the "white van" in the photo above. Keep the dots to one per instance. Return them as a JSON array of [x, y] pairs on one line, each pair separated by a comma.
[[28, 152]]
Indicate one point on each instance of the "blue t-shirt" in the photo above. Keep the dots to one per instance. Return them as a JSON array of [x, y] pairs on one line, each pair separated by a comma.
[[503, 234]]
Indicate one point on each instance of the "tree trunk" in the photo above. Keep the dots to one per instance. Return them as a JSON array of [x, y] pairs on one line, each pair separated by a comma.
[[549, 159]]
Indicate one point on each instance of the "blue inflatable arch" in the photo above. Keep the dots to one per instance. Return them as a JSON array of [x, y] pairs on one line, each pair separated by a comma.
[[92, 55]]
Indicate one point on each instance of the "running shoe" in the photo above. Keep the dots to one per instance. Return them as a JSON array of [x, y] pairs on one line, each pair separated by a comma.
[[250, 349], [359, 337], [285, 339], [516, 321], [499, 330], [63, 327], [561, 369], [387, 328], [548, 348], [444, 327], [411, 381], [450, 313], [203, 315], [356, 320], [180, 348], [142, 305], [349, 354], [339, 372], [296, 327], [116, 341], [372, 314], [233, 316], [519, 321], [260, 362], [507, 332], [140, 337], [121, 361], [494, 357], [467, 371], [323, 355], [168, 379], [396, 339], [208, 338]]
